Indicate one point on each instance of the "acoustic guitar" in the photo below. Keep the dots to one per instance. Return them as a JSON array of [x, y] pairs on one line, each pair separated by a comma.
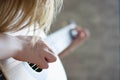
[[57, 41]]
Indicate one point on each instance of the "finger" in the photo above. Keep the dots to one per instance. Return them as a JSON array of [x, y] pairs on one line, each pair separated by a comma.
[[46, 48], [42, 63], [80, 35], [50, 57], [83, 33]]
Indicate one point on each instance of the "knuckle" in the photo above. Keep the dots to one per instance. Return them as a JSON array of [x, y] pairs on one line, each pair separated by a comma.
[[43, 64]]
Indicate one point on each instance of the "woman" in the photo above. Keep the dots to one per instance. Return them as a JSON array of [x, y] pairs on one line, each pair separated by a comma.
[[16, 15]]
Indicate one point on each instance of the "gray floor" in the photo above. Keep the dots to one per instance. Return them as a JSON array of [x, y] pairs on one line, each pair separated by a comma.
[[98, 58]]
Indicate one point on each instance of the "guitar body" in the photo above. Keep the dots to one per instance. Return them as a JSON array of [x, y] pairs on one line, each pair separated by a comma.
[[17, 70], [57, 41]]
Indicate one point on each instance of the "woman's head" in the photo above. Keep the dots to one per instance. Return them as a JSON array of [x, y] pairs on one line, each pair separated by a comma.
[[18, 14]]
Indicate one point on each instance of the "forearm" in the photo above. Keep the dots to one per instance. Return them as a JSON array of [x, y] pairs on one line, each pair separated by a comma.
[[9, 45], [68, 50]]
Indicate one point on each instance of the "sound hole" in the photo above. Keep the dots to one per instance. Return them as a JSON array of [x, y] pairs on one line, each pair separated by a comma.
[[2, 77], [35, 67]]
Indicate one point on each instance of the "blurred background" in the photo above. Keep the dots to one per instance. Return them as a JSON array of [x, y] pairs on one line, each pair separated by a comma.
[[98, 57]]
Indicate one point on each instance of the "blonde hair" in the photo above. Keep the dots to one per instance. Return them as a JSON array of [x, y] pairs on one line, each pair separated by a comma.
[[19, 14]]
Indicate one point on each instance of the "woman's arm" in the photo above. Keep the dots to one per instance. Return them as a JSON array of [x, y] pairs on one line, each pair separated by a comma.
[[21, 48], [9, 45]]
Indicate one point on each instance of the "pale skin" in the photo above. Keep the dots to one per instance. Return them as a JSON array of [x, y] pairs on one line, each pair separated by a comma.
[[82, 36], [38, 55]]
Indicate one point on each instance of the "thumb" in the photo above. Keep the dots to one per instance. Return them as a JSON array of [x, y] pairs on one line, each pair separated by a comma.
[[50, 57]]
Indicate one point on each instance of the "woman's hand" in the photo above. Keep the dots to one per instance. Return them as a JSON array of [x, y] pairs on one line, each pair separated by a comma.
[[82, 35], [40, 54]]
